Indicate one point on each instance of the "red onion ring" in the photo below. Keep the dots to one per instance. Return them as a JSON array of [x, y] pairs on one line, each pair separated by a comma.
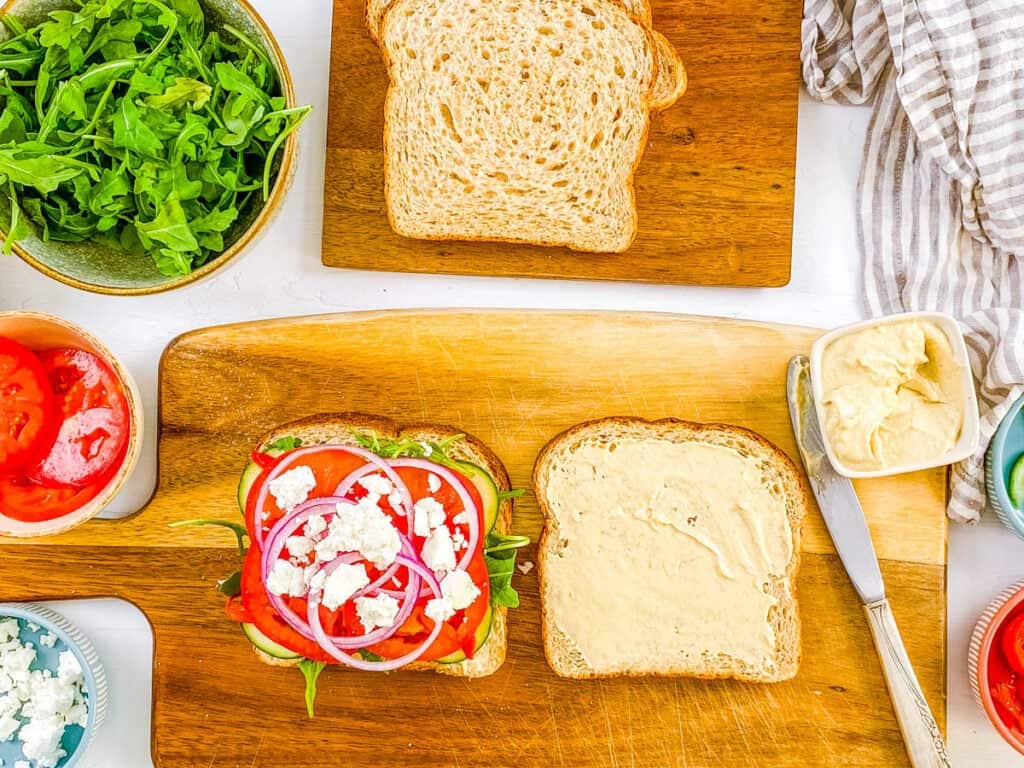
[[355, 476], [388, 665], [471, 509]]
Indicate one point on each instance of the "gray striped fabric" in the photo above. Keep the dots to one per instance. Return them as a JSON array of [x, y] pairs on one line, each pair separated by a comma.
[[941, 194]]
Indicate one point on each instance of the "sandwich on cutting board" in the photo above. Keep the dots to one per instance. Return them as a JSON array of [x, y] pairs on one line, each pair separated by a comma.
[[376, 547], [669, 548], [520, 120]]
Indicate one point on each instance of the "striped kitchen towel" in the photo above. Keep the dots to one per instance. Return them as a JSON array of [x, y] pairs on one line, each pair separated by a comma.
[[941, 193]]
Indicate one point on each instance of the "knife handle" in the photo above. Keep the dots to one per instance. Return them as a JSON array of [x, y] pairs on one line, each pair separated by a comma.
[[921, 735]]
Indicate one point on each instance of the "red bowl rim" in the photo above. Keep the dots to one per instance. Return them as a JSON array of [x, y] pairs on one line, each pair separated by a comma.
[[1012, 604]]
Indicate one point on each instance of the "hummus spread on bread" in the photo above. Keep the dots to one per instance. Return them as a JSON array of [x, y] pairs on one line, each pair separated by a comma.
[[893, 395], [675, 559]]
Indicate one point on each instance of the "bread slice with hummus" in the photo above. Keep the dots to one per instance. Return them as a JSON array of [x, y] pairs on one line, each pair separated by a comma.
[[669, 548]]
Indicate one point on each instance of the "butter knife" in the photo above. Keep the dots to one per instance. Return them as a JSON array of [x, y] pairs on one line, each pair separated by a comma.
[[845, 520]]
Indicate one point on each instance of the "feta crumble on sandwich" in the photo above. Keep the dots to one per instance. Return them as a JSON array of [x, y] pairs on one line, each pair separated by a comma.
[[458, 593], [293, 487]]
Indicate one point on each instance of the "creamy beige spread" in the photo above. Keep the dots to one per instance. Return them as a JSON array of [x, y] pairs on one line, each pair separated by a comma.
[[667, 553], [893, 395]]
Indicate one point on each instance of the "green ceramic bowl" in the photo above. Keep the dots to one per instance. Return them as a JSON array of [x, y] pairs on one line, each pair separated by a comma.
[[96, 268], [1006, 448]]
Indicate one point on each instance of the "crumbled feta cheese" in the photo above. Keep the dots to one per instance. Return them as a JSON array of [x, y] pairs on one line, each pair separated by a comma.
[[33, 627], [377, 611], [433, 483], [344, 581], [428, 515], [315, 526], [396, 502], [286, 580], [438, 550], [299, 546], [439, 609], [459, 541], [427, 449], [364, 528], [293, 487], [377, 485], [461, 519], [525, 568], [458, 588], [37, 705], [48, 640]]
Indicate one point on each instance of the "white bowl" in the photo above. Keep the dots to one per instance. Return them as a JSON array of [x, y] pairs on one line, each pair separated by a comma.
[[970, 434]]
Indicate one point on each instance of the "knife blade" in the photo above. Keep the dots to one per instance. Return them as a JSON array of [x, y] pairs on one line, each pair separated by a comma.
[[848, 528], [839, 504]]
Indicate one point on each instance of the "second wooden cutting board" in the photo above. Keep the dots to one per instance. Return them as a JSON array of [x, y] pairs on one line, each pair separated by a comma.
[[514, 379]]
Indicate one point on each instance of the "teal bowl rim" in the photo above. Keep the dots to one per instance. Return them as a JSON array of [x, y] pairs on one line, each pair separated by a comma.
[[995, 473], [95, 679]]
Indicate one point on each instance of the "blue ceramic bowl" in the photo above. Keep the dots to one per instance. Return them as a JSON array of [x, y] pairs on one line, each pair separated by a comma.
[[1006, 447], [69, 638]]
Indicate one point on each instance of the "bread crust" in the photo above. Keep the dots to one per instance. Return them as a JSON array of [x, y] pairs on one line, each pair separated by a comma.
[[336, 429], [795, 514], [652, 50]]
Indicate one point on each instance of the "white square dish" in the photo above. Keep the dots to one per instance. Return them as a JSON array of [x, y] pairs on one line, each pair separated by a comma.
[[969, 438]]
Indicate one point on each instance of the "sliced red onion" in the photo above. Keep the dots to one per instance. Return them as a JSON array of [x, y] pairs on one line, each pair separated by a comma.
[[291, 522], [388, 665], [473, 512]]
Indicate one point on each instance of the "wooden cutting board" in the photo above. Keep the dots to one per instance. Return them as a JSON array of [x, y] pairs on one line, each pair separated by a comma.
[[515, 379], [714, 189]]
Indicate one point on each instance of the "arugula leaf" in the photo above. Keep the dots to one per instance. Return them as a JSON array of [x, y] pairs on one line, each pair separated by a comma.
[[513, 494], [369, 655], [311, 671], [42, 173], [391, 448], [284, 444], [170, 228], [239, 530], [232, 585], [185, 91], [500, 558], [133, 134]]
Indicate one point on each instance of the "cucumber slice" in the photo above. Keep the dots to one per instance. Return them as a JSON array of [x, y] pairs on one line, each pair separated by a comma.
[[1015, 487], [486, 488], [481, 634], [250, 474], [267, 645]]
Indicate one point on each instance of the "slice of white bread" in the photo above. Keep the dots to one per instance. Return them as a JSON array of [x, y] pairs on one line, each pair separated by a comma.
[[337, 429], [619, 492], [515, 120], [669, 85]]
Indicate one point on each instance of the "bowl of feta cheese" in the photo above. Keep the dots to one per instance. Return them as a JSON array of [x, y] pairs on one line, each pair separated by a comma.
[[53, 690]]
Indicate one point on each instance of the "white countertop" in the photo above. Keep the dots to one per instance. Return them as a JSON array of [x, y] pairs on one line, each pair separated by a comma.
[[283, 276]]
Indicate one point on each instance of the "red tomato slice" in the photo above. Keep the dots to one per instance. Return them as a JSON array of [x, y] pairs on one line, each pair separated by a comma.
[[1013, 643], [93, 439], [25, 500], [28, 414]]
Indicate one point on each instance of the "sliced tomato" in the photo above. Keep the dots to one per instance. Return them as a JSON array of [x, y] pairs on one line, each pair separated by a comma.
[[264, 460], [93, 439], [1013, 643], [28, 501], [29, 418], [236, 610]]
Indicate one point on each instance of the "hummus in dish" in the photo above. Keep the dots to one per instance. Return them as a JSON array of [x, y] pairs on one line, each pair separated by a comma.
[[683, 563], [893, 395]]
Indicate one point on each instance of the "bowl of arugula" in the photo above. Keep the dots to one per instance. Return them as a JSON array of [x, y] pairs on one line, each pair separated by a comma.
[[143, 143]]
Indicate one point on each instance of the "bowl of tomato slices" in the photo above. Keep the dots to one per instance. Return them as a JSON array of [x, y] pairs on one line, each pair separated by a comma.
[[70, 425], [996, 665]]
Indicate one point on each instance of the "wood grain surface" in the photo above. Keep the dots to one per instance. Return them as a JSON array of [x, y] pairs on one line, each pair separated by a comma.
[[714, 189], [514, 379]]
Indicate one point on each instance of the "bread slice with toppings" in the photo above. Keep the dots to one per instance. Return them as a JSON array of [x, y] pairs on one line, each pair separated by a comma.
[[340, 429], [687, 534], [473, 154]]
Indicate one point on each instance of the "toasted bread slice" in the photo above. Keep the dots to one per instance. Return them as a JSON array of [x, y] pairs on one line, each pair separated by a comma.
[[473, 153], [670, 83], [337, 429], [684, 537]]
